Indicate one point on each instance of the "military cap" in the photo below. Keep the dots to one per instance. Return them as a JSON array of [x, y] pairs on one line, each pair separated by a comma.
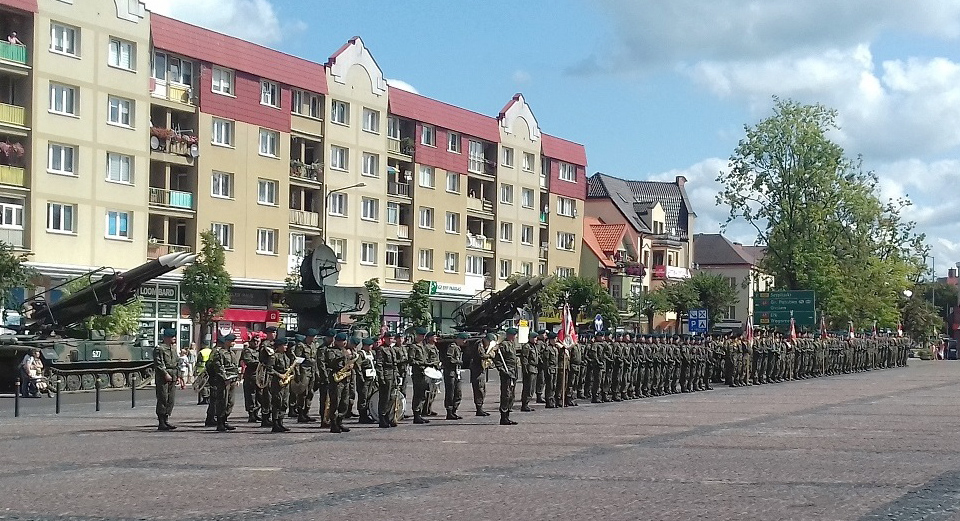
[[431, 334], [355, 340], [332, 332], [169, 333], [512, 331], [340, 336], [299, 338], [395, 334], [280, 341], [271, 329], [491, 336], [421, 331], [312, 332], [463, 336], [228, 338], [541, 331], [292, 341], [551, 335]]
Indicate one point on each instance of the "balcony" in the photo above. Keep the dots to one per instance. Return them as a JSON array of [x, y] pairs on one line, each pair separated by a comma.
[[306, 171], [543, 218], [404, 147], [544, 248], [398, 189], [176, 93], [403, 231], [399, 273], [171, 198], [13, 53], [156, 250], [304, 218], [12, 236], [13, 115], [543, 182], [479, 242], [479, 205], [168, 141], [673, 238], [12, 175]]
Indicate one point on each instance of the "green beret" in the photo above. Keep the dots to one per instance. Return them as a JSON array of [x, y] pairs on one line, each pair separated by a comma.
[[271, 329], [431, 334], [541, 331], [421, 331], [369, 341], [169, 333], [300, 338], [512, 331], [340, 336], [463, 336], [355, 340], [292, 341], [333, 333], [312, 332], [551, 335], [228, 338], [491, 336], [395, 334], [280, 341]]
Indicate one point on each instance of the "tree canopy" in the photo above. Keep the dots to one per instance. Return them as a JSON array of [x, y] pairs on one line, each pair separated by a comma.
[[14, 273], [714, 293], [415, 309], [372, 320], [206, 283]]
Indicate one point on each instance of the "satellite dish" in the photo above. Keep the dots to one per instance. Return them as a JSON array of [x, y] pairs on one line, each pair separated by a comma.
[[319, 268], [154, 143], [194, 151]]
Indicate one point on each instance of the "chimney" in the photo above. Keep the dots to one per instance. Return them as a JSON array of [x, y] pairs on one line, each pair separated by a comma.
[[681, 181], [952, 273]]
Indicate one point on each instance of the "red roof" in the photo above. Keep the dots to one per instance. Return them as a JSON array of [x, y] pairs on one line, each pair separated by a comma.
[[25, 5], [564, 150], [420, 108], [217, 48], [590, 239], [609, 236]]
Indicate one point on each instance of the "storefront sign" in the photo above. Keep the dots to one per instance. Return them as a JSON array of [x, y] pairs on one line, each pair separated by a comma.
[[443, 288], [249, 297], [159, 292], [168, 310]]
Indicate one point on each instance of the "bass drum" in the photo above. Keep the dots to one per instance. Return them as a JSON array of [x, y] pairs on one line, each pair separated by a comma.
[[375, 406]]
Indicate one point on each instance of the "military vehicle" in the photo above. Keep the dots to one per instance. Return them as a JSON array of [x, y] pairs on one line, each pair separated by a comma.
[[69, 352], [319, 302]]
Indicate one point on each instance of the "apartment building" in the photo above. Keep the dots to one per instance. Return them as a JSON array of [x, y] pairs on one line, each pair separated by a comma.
[[153, 131], [738, 264]]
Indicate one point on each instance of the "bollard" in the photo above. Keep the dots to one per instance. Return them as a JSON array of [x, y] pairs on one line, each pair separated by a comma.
[[133, 390], [16, 400], [58, 396], [97, 391]]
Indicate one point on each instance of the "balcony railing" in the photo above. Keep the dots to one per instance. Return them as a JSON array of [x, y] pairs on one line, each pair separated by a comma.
[[479, 205], [400, 189], [543, 182], [677, 235], [306, 171], [171, 198], [12, 175], [401, 273], [543, 252], [12, 236], [479, 242], [178, 93], [305, 218], [13, 53], [543, 218], [403, 231], [396, 146], [12, 115], [158, 249]]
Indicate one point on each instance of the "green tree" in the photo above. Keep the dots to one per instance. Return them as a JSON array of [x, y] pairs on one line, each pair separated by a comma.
[[940, 294], [206, 283], [588, 298], [415, 309], [714, 293], [921, 320], [122, 320], [372, 320], [820, 216], [681, 297], [647, 304], [14, 273]]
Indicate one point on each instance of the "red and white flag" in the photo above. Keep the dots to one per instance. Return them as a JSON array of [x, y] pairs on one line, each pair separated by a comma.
[[793, 328], [750, 331], [823, 326], [874, 329], [899, 328], [852, 334], [568, 331]]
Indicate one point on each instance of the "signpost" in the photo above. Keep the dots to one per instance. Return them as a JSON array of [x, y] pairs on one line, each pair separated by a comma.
[[698, 320], [598, 323], [774, 308]]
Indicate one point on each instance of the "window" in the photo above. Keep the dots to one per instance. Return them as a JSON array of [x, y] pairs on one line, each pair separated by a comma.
[[393, 213], [267, 192], [566, 206], [506, 194], [339, 158], [731, 313], [64, 39], [119, 168], [11, 213], [371, 164], [306, 104], [222, 132], [61, 217], [63, 99], [565, 241], [393, 127], [427, 136], [340, 112], [506, 268], [393, 256], [61, 159], [426, 218], [368, 253], [118, 225], [526, 198], [526, 234], [452, 222], [474, 265], [568, 172], [564, 272], [298, 244], [123, 54], [370, 209], [426, 260], [338, 204], [222, 81], [120, 111], [266, 241], [506, 156], [526, 268], [451, 262], [224, 234], [476, 157], [453, 142], [371, 120], [339, 247], [269, 93], [506, 232], [426, 176], [269, 143], [528, 161], [453, 182], [222, 185], [180, 71]]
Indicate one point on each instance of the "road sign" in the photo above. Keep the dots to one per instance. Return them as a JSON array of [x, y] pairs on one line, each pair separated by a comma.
[[598, 323], [774, 308], [697, 320]]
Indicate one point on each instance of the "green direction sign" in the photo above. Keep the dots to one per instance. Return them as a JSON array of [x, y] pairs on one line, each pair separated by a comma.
[[773, 308]]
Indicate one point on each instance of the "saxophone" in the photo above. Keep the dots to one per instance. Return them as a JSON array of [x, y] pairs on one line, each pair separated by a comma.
[[342, 374], [290, 373]]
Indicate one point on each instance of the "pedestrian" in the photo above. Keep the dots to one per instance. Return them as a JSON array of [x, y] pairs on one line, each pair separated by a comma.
[[183, 362]]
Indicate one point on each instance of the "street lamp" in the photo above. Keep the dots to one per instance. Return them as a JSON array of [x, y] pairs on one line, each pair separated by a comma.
[[326, 201]]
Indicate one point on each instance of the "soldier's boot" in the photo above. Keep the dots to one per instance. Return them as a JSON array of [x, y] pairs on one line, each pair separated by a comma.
[[550, 403], [161, 424], [540, 398], [616, 397], [384, 424], [365, 418], [252, 417], [342, 428], [481, 412], [228, 426], [335, 427], [166, 422], [505, 419], [452, 415], [595, 399], [419, 419], [525, 408], [266, 421]]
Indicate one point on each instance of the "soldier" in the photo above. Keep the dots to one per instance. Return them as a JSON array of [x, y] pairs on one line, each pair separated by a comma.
[[530, 371], [321, 386], [549, 363], [616, 367], [203, 356], [165, 372], [575, 372], [338, 362], [403, 369], [539, 342], [387, 364], [417, 355], [265, 358], [353, 343], [223, 374], [595, 367], [250, 359], [508, 365], [478, 383], [452, 362], [366, 376], [306, 348], [433, 360], [279, 391]]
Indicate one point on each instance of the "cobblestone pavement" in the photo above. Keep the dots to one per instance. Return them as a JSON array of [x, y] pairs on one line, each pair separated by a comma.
[[875, 445]]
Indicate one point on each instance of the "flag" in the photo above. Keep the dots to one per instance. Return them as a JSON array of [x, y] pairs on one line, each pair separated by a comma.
[[568, 331], [823, 326], [899, 328], [750, 331], [852, 335], [793, 329], [874, 329]]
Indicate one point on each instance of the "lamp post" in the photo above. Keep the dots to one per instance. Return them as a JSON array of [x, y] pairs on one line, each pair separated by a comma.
[[326, 202]]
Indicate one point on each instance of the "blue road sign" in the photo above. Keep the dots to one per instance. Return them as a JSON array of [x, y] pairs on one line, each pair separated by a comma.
[[697, 320], [598, 323]]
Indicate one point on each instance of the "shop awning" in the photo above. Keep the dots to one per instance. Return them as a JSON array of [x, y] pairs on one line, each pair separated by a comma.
[[249, 315]]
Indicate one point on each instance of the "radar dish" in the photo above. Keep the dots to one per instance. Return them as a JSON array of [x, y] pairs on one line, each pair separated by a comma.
[[323, 266]]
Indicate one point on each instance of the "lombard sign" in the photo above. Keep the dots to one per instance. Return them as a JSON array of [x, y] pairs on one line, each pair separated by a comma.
[[159, 291], [443, 288]]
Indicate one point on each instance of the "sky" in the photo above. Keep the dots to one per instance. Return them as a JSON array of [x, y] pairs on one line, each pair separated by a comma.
[[656, 89]]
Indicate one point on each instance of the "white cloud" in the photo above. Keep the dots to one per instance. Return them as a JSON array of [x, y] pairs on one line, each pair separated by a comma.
[[521, 76], [252, 20], [402, 85]]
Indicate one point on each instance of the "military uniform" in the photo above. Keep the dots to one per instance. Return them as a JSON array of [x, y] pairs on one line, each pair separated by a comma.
[[366, 375], [279, 393], [549, 362], [223, 373], [576, 374], [265, 358], [338, 359], [433, 360], [452, 362], [478, 359], [306, 348], [250, 357], [529, 370], [417, 356], [387, 365], [165, 372], [507, 364]]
